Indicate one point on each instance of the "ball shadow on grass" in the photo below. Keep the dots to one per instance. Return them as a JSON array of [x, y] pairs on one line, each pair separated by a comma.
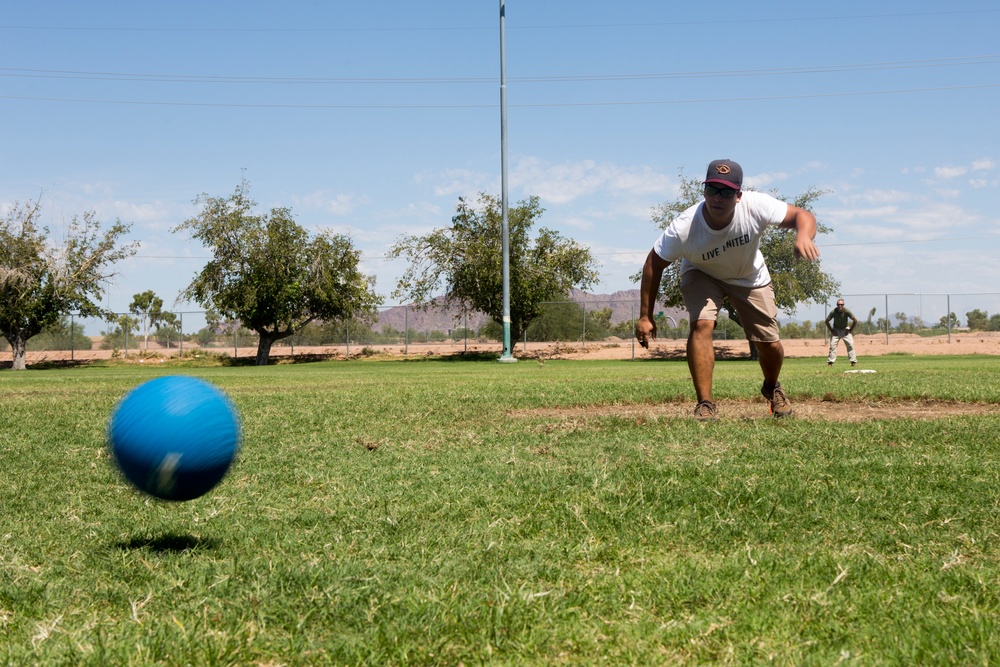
[[169, 543]]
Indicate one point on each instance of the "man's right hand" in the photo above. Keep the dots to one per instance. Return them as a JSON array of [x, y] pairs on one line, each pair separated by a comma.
[[645, 330]]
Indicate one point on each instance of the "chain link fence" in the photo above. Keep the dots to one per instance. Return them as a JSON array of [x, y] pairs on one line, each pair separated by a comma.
[[592, 322]]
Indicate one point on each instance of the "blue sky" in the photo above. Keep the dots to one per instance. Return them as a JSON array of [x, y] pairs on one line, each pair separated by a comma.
[[372, 118]]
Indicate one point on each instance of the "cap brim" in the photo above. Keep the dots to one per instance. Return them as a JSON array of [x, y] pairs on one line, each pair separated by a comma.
[[713, 181]]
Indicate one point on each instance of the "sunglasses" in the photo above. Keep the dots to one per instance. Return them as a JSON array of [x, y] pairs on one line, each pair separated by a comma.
[[725, 193]]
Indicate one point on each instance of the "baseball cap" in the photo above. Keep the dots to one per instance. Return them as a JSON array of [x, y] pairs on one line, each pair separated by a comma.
[[725, 172]]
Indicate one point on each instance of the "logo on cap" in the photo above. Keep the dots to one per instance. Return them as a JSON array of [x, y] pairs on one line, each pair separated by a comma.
[[722, 169]]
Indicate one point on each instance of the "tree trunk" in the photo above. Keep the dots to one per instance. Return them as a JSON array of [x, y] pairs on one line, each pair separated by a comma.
[[263, 349], [17, 347]]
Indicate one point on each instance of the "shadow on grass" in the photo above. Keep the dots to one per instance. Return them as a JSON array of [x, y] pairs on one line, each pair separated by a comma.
[[469, 356], [49, 364], [169, 543]]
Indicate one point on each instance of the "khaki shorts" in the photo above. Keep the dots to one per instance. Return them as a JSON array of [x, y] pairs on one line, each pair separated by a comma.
[[755, 305]]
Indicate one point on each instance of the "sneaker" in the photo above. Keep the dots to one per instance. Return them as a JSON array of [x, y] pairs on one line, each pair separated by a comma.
[[706, 411], [780, 405], [854, 363], [829, 363]]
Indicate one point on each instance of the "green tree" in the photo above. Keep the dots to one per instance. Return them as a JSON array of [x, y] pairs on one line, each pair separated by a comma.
[[268, 273], [118, 338], [794, 281], [466, 260], [168, 329], [598, 324], [42, 278], [868, 323], [63, 335], [949, 322], [559, 321], [149, 310], [977, 320]]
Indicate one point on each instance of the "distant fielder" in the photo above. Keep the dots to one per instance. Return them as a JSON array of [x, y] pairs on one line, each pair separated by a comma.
[[841, 323]]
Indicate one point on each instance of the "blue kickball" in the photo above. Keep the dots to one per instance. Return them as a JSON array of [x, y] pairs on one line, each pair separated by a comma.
[[174, 437]]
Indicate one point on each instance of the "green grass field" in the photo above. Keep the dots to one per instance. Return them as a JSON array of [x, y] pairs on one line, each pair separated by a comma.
[[426, 512]]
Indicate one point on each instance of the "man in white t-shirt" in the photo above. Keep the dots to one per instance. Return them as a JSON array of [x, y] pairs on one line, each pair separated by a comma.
[[718, 244]]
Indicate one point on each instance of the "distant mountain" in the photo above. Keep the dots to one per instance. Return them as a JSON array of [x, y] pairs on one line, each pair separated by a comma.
[[624, 306]]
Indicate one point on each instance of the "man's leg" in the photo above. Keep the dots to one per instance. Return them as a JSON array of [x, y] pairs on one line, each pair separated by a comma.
[[849, 343], [701, 358], [772, 355], [758, 314], [834, 341]]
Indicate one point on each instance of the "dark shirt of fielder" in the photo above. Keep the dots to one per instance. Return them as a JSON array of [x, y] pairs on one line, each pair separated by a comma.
[[840, 319]]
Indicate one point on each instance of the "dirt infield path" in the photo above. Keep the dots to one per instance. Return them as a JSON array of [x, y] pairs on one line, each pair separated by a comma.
[[812, 410]]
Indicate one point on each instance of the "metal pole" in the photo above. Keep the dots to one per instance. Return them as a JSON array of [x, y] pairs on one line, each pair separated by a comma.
[[826, 341], [72, 339], [180, 336], [886, 319], [948, 317], [506, 356], [406, 329]]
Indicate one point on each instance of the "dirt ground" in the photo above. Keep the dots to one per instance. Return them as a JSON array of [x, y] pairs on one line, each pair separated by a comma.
[[866, 346], [812, 410]]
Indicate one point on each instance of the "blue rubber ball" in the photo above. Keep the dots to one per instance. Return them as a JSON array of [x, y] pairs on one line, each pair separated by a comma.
[[174, 437]]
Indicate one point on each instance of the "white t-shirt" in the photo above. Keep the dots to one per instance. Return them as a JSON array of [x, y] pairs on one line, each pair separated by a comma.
[[731, 255]]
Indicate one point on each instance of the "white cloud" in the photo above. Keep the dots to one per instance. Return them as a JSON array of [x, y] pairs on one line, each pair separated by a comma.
[[762, 181], [142, 213], [983, 164], [980, 183], [325, 201], [567, 181], [877, 197], [949, 172], [460, 182], [845, 214], [933, 220], [577, 222]]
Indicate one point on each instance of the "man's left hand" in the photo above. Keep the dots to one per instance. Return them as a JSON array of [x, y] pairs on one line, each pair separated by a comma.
[[806, 249]]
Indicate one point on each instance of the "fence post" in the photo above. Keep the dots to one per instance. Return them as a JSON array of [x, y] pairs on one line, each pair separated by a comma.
[[347, 335], [125, 326], [180, 335], [584, 341], [826, 341], [886, 319], [406, 329], [948, 316], [632, 320], [72, 339]]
